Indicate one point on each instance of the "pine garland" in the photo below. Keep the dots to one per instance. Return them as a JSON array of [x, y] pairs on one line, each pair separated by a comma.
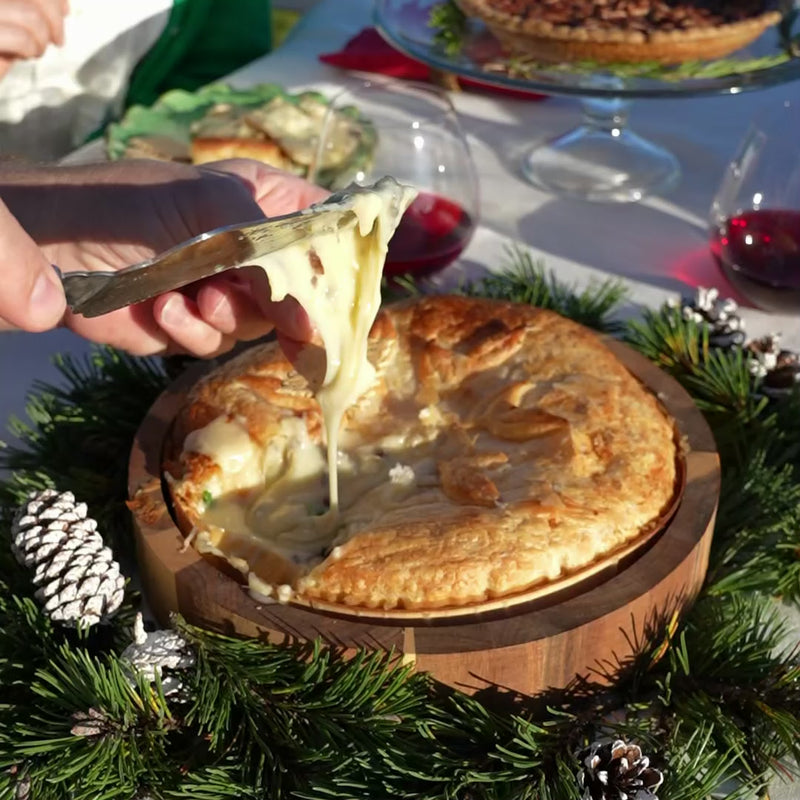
[[712, 698]]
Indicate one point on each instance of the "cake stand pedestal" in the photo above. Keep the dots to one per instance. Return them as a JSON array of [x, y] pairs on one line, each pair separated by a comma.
[[602, 159]]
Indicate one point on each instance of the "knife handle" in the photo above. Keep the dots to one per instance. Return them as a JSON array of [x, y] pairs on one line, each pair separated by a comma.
[[80, 286]]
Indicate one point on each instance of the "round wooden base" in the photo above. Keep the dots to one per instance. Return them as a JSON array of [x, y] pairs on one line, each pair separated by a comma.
[[585, 630]]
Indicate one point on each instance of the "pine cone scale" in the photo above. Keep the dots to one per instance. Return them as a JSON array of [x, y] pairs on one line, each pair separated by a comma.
[[77, 579], [617, 771]]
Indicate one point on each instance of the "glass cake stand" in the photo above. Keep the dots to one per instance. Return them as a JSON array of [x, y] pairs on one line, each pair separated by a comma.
[[602, 158]]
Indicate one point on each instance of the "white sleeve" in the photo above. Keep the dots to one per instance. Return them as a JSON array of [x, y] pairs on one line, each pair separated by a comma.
[[49, 105]]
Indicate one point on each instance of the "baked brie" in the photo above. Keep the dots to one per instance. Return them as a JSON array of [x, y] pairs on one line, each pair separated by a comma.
[[498, 447]]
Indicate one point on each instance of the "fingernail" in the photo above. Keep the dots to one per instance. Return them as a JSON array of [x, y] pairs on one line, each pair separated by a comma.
[[47, 296], [221, 312], [173, 312]]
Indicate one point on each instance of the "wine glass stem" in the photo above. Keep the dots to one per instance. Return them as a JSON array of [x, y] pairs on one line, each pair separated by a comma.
[[609, 115]]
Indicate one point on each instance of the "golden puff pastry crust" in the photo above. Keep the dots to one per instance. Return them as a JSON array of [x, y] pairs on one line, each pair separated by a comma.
[[500, 447]]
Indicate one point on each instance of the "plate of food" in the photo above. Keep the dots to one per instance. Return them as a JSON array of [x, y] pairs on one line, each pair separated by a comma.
[[263, 122]]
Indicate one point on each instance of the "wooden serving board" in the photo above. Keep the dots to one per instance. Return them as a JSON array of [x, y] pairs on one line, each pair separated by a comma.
[[544, 642]]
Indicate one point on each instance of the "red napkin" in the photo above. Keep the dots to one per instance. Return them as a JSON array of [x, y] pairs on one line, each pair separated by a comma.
[[368, 51]]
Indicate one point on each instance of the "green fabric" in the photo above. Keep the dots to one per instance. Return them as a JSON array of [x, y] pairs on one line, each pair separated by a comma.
[[203, 41]]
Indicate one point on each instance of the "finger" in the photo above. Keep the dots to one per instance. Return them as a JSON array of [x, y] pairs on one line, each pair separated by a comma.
[[277, 192], [179, 317], [132, 329], [230, 309], [289, 318], [289, 193], [31, 296], [54, 12], [287, 315], [308, 358], [292, 349], [17, 42], [32, 18]]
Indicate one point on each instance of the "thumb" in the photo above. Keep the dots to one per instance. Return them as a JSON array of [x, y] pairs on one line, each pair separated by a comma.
[[31, 297]]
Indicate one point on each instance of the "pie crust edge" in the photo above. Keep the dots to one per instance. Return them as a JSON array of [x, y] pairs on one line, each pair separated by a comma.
[[549, 42], [348, 586]]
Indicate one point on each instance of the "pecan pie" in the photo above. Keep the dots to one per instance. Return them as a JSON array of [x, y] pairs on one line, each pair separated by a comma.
[[499, 448], [606, 31]]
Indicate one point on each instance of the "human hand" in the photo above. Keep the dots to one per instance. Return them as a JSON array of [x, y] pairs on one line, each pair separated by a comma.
[[27, 27], [35, 300], [105, 217]]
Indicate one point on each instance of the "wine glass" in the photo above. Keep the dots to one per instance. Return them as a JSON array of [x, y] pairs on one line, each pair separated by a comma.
[[411, 132], [755, 214]]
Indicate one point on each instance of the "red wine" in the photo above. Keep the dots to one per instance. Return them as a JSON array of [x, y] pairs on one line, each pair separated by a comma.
[[432, 233], [759, 251]]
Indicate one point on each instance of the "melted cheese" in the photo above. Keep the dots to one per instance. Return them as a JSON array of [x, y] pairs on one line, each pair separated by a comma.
[[289, 512], [228, 443], [335, 275]]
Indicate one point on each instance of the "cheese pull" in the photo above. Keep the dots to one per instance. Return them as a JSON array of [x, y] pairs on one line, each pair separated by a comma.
[[335, 275]]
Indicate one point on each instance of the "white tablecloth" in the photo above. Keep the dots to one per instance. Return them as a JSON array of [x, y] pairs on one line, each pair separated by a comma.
[[659, 245]]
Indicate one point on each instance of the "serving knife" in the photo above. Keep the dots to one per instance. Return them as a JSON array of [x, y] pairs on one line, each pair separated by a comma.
[[95, 293]]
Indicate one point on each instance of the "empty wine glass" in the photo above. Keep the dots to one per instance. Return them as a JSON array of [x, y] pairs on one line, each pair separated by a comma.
[[755, 215], [412, 133]]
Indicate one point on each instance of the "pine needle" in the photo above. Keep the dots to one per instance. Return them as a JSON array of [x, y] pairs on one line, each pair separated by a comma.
[[714, 697], [525, 280]]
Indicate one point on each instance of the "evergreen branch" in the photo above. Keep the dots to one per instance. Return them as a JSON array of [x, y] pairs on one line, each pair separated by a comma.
[[676, 344], [698, 768], [759, 528], [401, 287], [718, 380], [713, 698], [79, 435], [730, 667], [211, 783], [89, 733], [278, 708], [526, 281], [527, 68], [450, 27]]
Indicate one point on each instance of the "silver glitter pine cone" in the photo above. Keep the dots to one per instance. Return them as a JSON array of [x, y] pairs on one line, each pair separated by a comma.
[[152, 652], [725, 326], [617, 771], [78, 580], [777, 369]]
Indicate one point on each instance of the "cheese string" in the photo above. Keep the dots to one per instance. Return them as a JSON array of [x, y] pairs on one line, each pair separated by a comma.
[[335, 275]]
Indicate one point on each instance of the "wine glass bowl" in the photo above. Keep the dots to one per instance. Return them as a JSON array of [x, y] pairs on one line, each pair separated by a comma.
[[417, 139], [755, 214]]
